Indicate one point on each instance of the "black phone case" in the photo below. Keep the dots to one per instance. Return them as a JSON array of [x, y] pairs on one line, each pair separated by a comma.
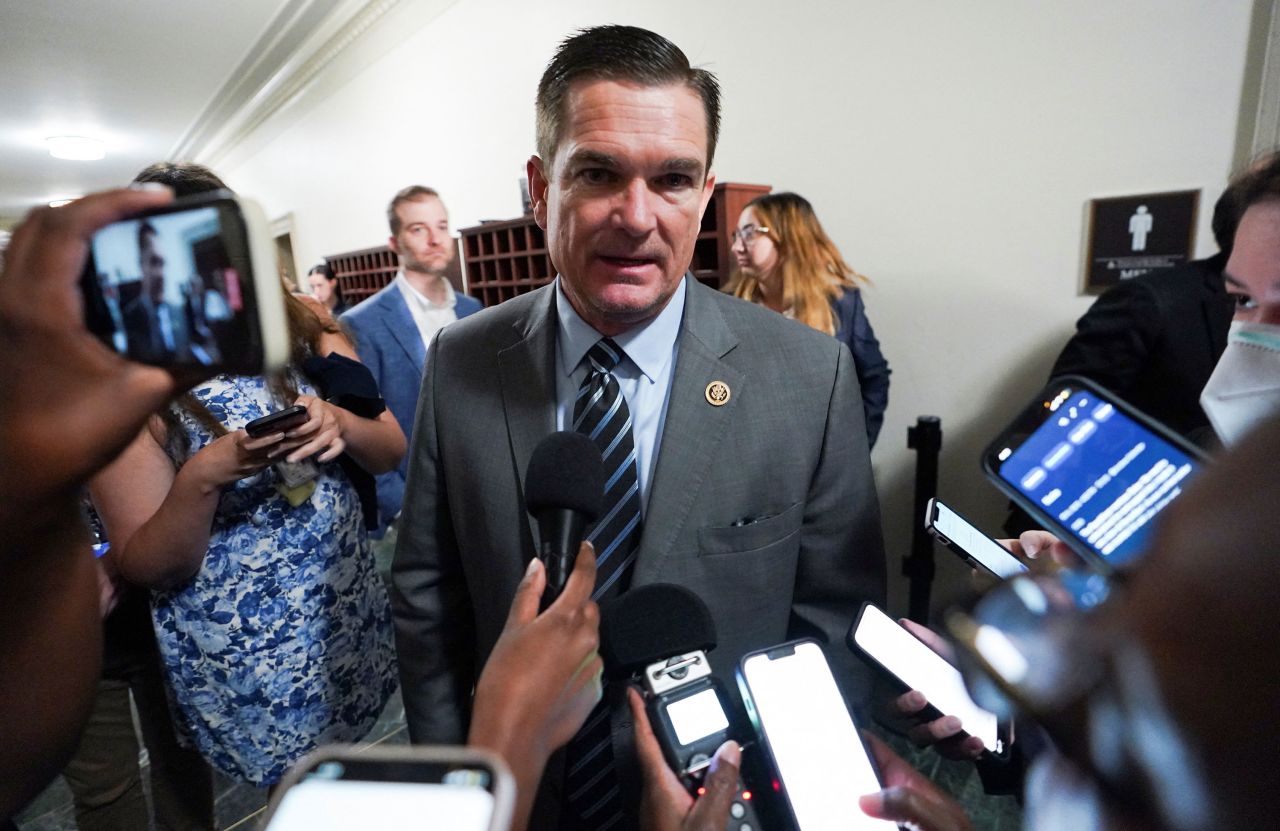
[[266, 425], [990, 462]]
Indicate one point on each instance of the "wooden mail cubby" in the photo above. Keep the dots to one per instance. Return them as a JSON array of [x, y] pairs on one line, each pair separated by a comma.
[[362, 273], [504, 259]]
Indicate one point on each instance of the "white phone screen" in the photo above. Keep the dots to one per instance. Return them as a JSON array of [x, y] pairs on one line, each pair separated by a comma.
[[820, 758], [316, 804], [976, 544], [920, 668]]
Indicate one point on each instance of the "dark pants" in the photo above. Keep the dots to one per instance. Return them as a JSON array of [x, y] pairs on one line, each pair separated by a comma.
[[104, 775]]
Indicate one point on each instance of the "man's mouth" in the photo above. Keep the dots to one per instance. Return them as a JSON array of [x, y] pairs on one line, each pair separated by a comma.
[[627, 262]]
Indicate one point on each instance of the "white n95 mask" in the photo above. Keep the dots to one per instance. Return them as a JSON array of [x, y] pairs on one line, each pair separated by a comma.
[[1245, 385]]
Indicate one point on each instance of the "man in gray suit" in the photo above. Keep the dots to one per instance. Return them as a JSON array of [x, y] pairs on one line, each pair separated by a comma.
[[744, 447]]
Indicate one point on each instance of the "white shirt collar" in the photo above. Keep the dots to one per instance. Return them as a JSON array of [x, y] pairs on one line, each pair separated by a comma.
[[648, 345], [412, 295]]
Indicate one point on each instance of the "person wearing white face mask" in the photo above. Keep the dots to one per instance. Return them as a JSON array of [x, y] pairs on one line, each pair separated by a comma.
[[1245, 385]]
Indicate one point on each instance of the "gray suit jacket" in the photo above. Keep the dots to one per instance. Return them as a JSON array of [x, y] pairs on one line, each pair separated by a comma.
[[789, 450]]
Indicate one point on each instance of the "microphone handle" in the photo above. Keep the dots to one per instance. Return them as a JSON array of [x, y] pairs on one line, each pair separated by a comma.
[[561, 532]]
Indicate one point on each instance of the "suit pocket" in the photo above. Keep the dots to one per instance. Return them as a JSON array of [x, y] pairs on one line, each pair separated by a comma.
[[753, 536]]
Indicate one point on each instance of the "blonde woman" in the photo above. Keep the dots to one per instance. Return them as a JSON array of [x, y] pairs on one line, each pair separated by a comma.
[[785, 261]]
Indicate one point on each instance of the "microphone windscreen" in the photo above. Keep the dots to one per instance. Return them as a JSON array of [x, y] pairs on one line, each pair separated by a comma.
[[652, 623], [565, 471]]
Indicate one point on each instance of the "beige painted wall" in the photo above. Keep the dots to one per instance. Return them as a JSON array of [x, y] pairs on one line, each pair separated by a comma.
[[949, 148]]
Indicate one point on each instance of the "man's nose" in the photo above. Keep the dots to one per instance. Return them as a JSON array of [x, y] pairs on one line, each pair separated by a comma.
[[633, 210]]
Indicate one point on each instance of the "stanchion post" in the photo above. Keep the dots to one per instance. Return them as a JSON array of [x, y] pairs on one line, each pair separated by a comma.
[[926, 439]]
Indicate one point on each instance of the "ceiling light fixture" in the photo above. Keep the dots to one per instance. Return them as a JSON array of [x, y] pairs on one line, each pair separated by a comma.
[[76, 148], [58, 203]]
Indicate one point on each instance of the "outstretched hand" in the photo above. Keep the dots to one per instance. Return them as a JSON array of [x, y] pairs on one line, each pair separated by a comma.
[[542, 678]]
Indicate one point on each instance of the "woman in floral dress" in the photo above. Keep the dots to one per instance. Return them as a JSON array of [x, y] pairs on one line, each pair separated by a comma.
[[273, 625]]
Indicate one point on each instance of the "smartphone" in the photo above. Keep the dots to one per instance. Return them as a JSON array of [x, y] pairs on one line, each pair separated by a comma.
[[344, 787], [1091, 469], [914, 666], [277, 422], [973, 546], [817, 756], [192, 284]]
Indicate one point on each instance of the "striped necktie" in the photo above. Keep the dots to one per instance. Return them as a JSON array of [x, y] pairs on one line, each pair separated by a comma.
[[601, 412]]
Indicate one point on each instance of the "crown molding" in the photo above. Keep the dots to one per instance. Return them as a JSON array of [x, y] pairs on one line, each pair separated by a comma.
[[304, 38]]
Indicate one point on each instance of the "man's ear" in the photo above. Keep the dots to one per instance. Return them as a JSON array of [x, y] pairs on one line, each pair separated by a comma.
[[393, 244], [708, 188], [537, 190]]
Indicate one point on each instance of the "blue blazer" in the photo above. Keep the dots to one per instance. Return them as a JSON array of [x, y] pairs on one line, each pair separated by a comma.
[[388, 342], [854, 330]]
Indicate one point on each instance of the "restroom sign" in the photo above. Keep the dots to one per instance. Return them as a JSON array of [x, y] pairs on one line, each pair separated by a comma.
[[1134, 235]]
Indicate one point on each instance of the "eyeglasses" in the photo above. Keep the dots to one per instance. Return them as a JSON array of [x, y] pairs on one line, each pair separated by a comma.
[[1033, 644], [747, 233]]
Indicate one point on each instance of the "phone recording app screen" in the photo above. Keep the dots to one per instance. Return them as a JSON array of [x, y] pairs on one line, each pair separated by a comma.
[[819, 756], [341, 805], [168, 285], [1099, 473]]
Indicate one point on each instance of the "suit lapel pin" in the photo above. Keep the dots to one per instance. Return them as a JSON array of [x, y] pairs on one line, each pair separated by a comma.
[[718, 393]]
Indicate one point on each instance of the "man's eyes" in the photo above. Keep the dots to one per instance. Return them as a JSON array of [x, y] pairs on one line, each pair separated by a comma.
[[596, 175], [674, 181], [665, 181]]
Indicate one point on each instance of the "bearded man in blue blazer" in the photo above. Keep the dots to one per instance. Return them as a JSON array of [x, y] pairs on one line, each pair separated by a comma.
[[393, 327]]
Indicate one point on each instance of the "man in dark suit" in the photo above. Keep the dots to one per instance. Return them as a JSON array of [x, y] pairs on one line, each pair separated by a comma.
[[154, 328], [736, 453], [1154, 340], [393, 327]]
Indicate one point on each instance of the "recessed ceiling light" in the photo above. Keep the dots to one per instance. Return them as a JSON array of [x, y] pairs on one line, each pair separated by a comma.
[[77, 148], [58, 203]]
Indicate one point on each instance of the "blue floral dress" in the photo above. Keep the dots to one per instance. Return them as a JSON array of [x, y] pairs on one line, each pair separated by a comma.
[[283, 640]]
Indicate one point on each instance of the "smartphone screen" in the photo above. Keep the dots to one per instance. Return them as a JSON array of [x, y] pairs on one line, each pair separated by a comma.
[[816, 749], [959, 532], [1099, 473], [176, 287], [356, 794], [920, 668]]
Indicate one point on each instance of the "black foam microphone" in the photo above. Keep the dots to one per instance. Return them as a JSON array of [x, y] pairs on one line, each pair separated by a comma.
[[563, 490], [661, 633], [652, 623]]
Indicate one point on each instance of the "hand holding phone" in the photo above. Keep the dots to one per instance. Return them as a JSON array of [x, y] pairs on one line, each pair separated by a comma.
[[964, 539], [191, 285], [815, 749], [1091, 469], [914, 666], [277, 422]]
